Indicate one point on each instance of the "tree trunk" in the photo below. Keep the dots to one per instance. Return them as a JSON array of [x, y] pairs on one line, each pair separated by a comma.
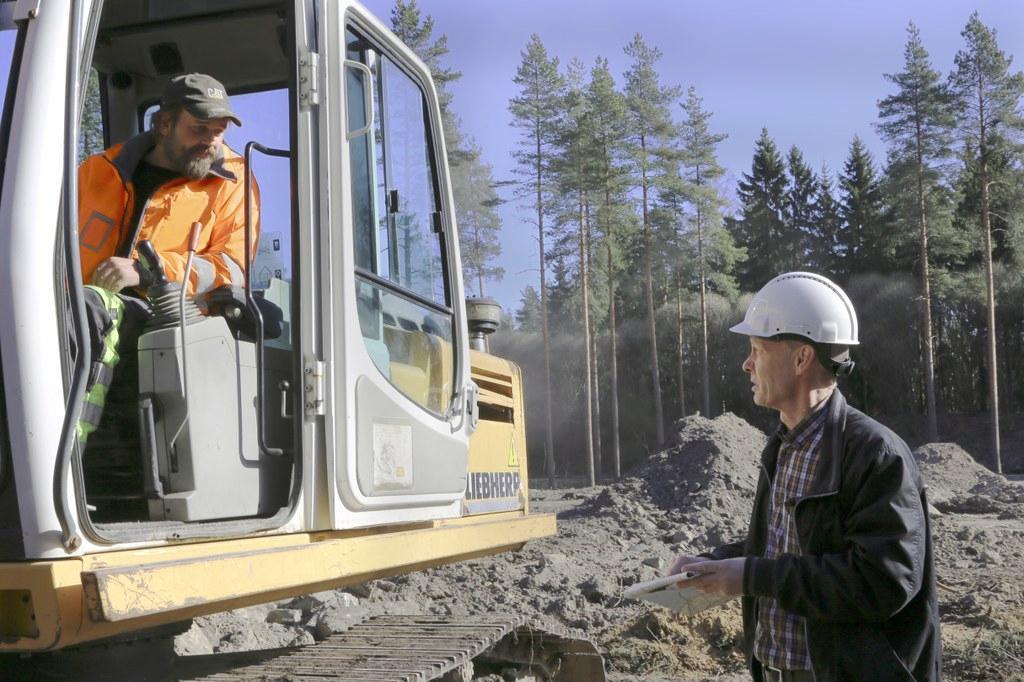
[[990, 304], [990, 295], [549, 450], [598, 464], [614, 364], [659, 419], [926, 307], [588, 389], [703, 318], [679, 345]]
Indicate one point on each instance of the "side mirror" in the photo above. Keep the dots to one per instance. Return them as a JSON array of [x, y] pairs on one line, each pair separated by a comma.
[[359, 87]]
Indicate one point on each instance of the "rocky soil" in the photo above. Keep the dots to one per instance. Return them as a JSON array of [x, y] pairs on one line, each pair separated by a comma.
[[694, 495]]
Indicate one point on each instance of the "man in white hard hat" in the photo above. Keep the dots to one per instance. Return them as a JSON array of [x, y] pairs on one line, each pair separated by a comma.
[[836, 571]]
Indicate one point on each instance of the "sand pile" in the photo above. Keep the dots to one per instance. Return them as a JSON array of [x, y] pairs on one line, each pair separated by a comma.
[[702, 486], [957, 483]]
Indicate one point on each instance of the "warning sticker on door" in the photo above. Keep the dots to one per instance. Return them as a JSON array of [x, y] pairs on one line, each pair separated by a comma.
[[392, 456]]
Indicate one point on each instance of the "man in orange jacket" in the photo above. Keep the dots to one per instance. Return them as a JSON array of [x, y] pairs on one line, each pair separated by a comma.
[[155, 187], [157, 184]]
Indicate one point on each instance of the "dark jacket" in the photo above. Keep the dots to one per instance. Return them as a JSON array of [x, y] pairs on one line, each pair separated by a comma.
[[865, 582]]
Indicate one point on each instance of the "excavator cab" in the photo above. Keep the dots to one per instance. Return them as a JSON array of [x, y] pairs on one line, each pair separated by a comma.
[[358, 410], [198, 423]]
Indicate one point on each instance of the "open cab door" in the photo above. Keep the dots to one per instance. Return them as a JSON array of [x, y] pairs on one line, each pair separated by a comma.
[[400, 405]]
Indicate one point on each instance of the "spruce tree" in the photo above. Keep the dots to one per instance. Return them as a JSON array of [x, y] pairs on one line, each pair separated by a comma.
[[761, 227], [528, 315], [915, 122], [826, 255], [987, 99], [867, 244], [650, 131], [535, 112], [800, 208]]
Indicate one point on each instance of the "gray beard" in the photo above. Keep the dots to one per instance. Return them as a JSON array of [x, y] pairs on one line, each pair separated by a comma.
[[196, 168], [192, 167]]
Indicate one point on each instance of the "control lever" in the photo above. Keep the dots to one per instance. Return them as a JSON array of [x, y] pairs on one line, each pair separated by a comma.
[[193, 243], [150, 260]]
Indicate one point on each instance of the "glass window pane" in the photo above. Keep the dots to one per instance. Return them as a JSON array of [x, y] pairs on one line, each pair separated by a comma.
[[414, 249], [6, 53], [410, 344], [7, 42], [90, 132], [361, 153]]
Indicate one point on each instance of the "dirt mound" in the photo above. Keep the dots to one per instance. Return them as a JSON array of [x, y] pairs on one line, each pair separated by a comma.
[[702, 486], [957, 483]]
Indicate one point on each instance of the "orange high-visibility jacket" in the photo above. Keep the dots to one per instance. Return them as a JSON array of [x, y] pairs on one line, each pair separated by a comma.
[[106, 202]]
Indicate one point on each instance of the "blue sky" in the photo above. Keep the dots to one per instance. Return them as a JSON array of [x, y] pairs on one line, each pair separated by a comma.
[[809, 71]]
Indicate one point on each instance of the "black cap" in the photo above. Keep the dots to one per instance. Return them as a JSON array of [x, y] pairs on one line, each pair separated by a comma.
[[200, 95]]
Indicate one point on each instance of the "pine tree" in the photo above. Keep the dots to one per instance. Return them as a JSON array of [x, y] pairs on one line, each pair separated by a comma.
[[608, 112], [867, 244], [479, 224], [472, 181], [761, 227], [915, 121], [651, 130], [700, 171], [577, 168], [535, 111], [674, 220], [987, 99]]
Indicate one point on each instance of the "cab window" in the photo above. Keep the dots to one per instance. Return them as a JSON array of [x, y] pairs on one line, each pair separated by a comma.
[[403, 299]]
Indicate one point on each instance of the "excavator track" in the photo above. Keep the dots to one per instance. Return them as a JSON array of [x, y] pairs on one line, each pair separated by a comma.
[[396, 648], [393, 648], [415, 648]]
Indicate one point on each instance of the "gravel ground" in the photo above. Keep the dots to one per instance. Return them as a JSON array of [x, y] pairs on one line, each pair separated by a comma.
[[692, 496]]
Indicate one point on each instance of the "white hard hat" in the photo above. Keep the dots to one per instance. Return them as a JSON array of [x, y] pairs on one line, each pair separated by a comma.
[[803, 304]]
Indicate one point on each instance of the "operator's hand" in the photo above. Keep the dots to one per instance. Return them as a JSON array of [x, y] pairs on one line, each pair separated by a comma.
[[115, 274], [716, 577]]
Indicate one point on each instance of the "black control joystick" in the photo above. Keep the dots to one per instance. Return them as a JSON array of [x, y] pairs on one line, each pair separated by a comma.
[[150, 261], [163, 294]]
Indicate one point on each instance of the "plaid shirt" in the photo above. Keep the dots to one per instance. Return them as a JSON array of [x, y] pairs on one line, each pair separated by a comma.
[[780, 640]]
